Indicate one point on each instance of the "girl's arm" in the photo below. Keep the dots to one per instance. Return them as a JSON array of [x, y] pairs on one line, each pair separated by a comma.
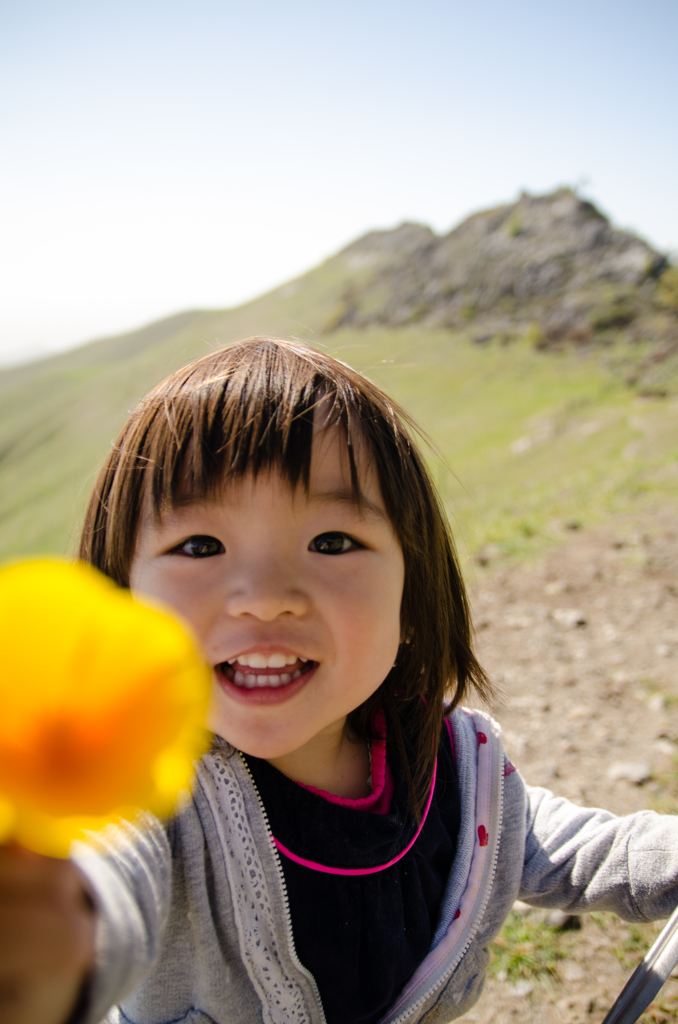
[[129, 870], [46, 938], [580, 859]]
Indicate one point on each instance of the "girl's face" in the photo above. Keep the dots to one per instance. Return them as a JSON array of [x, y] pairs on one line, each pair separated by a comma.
[[294, 596]]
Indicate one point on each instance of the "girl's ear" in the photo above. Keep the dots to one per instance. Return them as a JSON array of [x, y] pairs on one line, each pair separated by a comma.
[[405, 638]]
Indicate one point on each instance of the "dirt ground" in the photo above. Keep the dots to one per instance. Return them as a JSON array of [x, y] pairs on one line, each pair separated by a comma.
[[584, 645]]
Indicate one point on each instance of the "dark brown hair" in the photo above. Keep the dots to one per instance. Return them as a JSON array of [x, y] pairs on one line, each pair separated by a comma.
[[249, 408]]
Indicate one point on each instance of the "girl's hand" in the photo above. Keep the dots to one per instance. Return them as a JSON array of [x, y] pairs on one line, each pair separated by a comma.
[[46, 937]]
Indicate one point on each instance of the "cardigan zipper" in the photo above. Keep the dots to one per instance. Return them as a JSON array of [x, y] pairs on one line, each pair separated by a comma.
[[481, 908], [283, 886], [451, 967]]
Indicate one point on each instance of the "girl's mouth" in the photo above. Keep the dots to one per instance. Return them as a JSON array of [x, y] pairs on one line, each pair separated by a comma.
[[244, 675]]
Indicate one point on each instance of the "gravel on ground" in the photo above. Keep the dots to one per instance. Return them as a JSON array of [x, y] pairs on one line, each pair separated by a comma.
[[583, 644]]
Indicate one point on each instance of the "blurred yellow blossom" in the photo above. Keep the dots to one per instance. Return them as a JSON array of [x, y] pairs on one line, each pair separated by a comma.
[[104, 701]]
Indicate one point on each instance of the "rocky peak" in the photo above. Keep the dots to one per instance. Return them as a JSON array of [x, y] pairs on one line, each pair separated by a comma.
[[551, 264]]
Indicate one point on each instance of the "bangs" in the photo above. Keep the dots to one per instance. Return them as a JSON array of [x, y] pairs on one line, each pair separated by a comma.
[[256, 414], [244, 410]]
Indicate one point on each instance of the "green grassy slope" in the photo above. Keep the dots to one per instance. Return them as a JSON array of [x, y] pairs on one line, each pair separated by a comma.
[[529, 445], [58, 416], [536, 440]]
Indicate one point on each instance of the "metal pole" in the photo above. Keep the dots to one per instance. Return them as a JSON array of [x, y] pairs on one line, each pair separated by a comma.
[[648, 977]]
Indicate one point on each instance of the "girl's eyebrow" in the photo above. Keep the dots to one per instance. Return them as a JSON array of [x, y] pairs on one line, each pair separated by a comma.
[[361, 505]]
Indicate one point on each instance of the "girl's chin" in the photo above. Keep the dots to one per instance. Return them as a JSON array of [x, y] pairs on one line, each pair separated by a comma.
[[269, 744]]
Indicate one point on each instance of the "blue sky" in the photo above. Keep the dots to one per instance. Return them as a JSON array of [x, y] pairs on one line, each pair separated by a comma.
[[161, 156]]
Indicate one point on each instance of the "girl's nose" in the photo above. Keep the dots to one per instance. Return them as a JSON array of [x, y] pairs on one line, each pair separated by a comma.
[[265, 594]]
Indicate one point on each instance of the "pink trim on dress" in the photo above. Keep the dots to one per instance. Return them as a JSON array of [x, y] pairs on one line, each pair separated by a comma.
[[379, 800], [314, 866]]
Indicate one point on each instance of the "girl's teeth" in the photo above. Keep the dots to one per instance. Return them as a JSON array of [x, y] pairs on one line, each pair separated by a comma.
[[251, 682], [258, 660]]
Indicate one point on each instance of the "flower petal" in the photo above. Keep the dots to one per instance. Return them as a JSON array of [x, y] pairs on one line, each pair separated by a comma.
[[104, 701]]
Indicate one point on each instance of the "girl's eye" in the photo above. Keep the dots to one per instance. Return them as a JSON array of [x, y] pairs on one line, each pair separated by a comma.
[[200, 547], [332, 544]]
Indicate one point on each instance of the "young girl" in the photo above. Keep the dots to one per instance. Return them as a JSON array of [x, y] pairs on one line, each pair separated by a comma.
[[353, 843]]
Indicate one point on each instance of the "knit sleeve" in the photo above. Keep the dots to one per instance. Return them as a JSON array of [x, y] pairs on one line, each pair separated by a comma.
[[129, 869], [584, 859]]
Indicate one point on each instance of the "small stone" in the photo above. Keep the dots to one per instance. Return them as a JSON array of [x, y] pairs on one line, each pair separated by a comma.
[[580, 711], [561, 921], [571, 971], [543, 773], [601, 1003], [518, 621], [521, 988], [502, 975], [569, 617], [487, 553], [656, 702], [521, 908], [636, 772]]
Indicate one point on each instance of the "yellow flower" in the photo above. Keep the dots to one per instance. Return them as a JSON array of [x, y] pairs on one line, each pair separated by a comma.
[[103, 708]]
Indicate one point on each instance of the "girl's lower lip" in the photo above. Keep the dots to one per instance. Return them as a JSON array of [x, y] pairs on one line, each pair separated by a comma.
[[259, 695]]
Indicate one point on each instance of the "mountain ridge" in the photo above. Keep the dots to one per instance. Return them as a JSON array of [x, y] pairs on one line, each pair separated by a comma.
[[551, 268], [499, 393], [553, 264]]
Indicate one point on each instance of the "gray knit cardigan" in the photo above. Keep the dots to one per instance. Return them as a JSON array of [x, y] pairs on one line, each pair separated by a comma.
[[194, 924]]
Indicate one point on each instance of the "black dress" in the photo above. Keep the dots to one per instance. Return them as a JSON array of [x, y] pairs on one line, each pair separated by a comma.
[[363, 936]]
